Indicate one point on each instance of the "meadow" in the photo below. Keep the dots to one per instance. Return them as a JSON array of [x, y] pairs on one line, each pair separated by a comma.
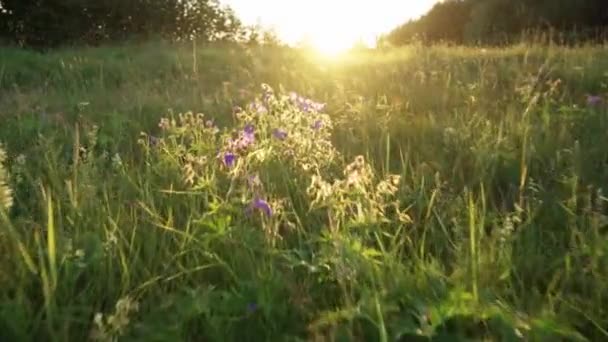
[[160, 192]]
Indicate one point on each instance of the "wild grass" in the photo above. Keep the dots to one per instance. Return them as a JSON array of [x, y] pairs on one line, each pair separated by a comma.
[[451, 193]]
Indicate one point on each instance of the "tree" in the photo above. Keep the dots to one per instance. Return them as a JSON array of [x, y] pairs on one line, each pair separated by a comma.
[[444, 22], [501, 21], [49, 23]]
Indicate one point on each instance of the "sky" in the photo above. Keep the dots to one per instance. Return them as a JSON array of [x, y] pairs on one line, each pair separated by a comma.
[[329, 24]]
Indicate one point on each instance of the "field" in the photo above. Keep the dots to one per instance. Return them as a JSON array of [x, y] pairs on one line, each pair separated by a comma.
[[441, 194]]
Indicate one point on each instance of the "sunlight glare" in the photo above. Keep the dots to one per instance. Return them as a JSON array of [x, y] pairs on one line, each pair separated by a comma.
[[334, 45], [330, 46], [333, 26]]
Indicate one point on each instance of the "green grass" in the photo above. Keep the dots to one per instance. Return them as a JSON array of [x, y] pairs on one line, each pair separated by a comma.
[[501, 233]]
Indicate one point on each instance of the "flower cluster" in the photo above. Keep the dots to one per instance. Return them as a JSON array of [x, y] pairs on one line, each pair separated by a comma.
[[257, 107], [288, 129], [306, 105], [238, 145], [594, 100], [273, 130], [277, 135]]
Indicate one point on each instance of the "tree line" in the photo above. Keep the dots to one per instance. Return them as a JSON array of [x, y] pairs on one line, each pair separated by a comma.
[[51, 23], [504, 21]]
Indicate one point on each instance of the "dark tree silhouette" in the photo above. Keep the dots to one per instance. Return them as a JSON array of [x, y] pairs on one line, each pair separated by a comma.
[[502, 21], [49, 23]]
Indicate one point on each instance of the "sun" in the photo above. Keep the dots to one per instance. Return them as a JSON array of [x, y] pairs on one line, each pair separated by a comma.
[[331, 46], [331, 31], [334, 43], [329, 26]]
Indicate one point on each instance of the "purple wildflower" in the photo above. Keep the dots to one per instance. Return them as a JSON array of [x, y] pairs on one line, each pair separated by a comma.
[[249, 129], [240, 144], [248, 135], [260, 204], [280, 134], [309, 108], [229, 159], [153, 141], [262, 109], [317, 125], [318, 107], [252, 307], [258, 108], [306, 105], [594, 100], [245, 139], [243, 142], [296, 99]]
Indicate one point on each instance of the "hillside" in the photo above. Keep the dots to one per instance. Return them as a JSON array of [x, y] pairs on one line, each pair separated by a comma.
[[440, 193]]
